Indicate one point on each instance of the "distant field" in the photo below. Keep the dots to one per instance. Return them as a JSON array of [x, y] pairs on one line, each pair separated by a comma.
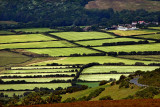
[[129, 48], [157, 28], [11, 58], [40, 79], [153, 36], [36, 29], [62, 51], [37, 70], [89, 84], [142, 57], [132, 32], [119, 69], [24, 38], [10, 93], [90, 59], [82, 35], [37, 45], [100, 77], [36, 74], [32, 86], [100, 42], [6, 32]]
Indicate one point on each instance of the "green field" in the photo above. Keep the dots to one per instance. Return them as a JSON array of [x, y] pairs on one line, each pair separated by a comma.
[[32, 86], [37, 45], [12, 58], [89, 84], [82, 35], [100, 77], [157, 28], [119, 69], [130, 48], [37, 71], [39, 79], [36, 74], [153, 36], [11, 93], [5, 32], [90, 59], [36, 29], [24, 38], [63, 51], [132, 32], [142, 57], [100, 42]]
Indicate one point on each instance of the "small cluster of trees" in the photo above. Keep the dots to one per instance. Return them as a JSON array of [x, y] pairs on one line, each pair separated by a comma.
[[125, 43], [91, 54]]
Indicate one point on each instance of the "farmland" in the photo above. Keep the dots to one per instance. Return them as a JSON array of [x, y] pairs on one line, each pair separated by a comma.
[[12, 58], [89, 84], [31, 86], [157, 28], [35, 30], [100, 42], [36, 45], [39, 79], [133, 32], [100, 77], [82, 35], [5, 32], [63, 51], [11, 93], [90, 59], [153, 36], [129, 48], [119, 69]]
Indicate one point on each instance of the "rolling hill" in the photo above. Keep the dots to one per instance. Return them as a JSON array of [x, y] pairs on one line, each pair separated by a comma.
[[119, 5]]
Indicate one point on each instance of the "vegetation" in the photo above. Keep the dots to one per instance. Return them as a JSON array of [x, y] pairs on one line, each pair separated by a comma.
[[89, 84], [82, 35], [153, 36], [34, 30], [119, 69], [106, 98], [24, 38]]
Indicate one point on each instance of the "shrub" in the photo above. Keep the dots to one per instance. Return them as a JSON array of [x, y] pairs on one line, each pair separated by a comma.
[[106, 98], [103, 82]]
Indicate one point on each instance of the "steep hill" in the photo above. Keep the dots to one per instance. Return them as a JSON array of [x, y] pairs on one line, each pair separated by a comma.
[[124, 4]]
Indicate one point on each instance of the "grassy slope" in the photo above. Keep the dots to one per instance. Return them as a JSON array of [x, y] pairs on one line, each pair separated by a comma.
[[153, 36], [117, 93], [36, 30], [124, 4]]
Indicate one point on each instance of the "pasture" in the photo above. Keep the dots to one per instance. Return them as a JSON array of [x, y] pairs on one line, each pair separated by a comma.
[[153, 36], [100, 77], [119, 69], [34, 30], [100, 42], [32, 86], [24, 38], [37, 74], [38, 71], [62, 51], [89, 84], [12, 58], [11, 93], [39, 79], [90, 59], [130, 48], [156, 28], [36, 45], [133, 32], [82, 35], [5, 32]]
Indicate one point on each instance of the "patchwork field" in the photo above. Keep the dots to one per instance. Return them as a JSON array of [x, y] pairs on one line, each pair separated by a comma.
[[5, 32], [142, 57], [82, 35], [100, 42], [24, 38], [119, 69], [39, 79], [12, 58], [129, 48], [36, 45], [63, 51], [90, 59], [89, 84], [133, 32], [100, 77], [153, 36], [157, 28], [32, 86], [11, 93], [36, 30], [38, 71]]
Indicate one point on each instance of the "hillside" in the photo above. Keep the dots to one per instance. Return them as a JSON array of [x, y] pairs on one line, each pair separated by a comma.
[[124, 4]]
